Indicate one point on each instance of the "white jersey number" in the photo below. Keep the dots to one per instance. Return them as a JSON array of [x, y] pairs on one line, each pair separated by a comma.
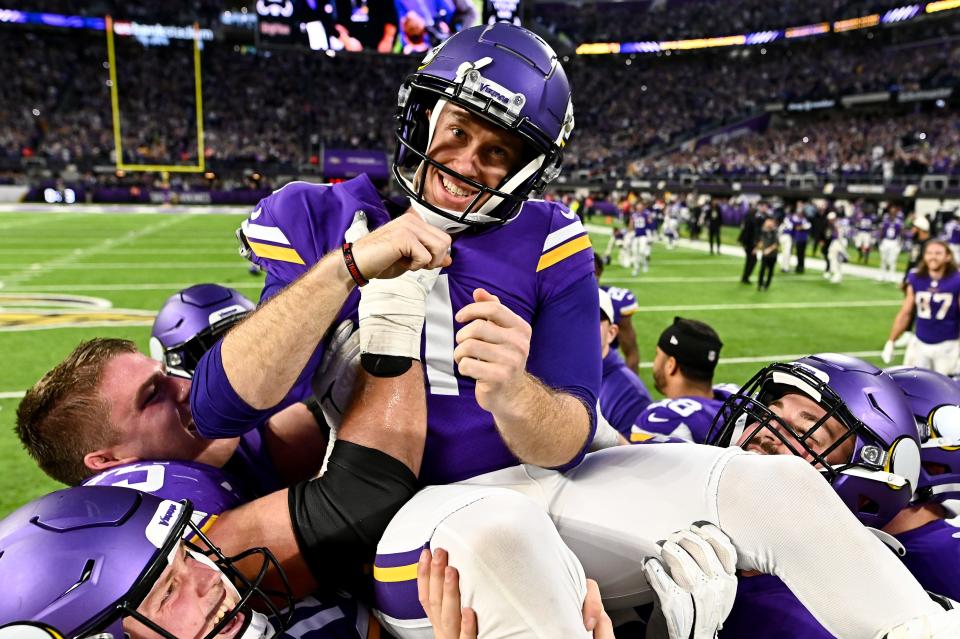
[[926, 300]]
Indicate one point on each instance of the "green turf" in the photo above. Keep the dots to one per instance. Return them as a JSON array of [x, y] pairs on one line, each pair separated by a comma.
[[136, 261]]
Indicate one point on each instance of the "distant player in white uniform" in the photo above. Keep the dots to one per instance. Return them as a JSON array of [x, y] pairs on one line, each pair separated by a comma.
[[891, 243], [786, 244]]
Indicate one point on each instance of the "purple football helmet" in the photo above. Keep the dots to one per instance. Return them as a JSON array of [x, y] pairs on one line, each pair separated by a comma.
[[506, 75], [879, 478], [935, 400], [85, 558], [190, 323]]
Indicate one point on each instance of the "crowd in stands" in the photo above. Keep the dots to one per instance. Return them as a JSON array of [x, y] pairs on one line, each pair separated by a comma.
[[284, 106], [643, 20], [876, 145]]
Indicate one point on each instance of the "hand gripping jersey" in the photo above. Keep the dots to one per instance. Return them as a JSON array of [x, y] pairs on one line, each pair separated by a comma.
[[540, 266], [688, 418], [938, 315], [933, 556], [213, 491], [623, 395]]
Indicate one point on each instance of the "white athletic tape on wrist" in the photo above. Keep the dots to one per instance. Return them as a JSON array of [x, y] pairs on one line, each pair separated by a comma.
[[391, 314]]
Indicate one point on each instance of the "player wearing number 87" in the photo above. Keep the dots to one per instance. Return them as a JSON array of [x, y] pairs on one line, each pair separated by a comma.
[[687, 355], [933, 291]]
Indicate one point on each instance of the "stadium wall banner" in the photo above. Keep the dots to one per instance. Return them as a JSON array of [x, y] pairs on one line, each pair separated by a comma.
[[865, 98], [931, 94], [344, 163], [13, 193], [139, 195]]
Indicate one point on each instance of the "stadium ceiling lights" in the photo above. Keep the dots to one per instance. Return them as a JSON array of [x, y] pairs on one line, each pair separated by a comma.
[[900, 14]]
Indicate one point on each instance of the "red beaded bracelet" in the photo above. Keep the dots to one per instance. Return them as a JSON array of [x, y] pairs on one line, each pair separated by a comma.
[[352, 267]]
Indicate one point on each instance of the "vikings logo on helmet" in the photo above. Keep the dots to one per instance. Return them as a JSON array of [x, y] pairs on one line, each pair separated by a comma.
[[935, 402], [878, 479], [85, 558], [506, 75], [190, 323]]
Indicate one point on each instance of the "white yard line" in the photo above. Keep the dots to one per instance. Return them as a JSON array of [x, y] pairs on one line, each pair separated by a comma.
[[59, 288], [767, 305], [786, 357], [236, 263], [12, 394], [38, 268]]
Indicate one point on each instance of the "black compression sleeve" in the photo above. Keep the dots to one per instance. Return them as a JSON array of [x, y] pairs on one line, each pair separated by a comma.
[[339, 518]]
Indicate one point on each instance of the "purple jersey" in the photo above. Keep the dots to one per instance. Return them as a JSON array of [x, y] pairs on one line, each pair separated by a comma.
[[766, 609], [622, 394], [938, 315], [624, 302], [951, 232], [933, 556], [688, 418], [891, 230], [540, 266], [799, 227], [864, 223], [642, 223]]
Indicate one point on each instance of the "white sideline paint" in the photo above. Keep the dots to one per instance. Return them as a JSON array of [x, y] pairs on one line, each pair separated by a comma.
[[12, 394], [124, 209]]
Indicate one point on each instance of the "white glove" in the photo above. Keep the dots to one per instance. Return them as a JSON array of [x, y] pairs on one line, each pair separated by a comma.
[[334, 380], [695, 583], [391, 313], [887, 355]]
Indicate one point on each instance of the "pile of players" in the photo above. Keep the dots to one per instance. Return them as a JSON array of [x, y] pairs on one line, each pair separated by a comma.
[[451, 344]]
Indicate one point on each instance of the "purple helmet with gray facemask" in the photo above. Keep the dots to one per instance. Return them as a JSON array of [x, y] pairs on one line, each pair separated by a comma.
[[85, 558], [935, 401], [879, 478], [190, 323], [506, 75]]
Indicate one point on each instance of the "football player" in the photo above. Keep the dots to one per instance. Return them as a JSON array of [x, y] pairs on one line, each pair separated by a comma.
[[622, 394], [864, 232], [688, 352], [641, 227], [800, 233], [891, 243], [624, 306], [481, 125], [926, 527], [933, 292], [850, 421]]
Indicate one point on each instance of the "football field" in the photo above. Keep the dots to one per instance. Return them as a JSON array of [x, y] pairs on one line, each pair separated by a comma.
[[70, 276]]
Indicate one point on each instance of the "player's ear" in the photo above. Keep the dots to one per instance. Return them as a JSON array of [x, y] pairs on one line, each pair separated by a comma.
[[672, 366], [105, 458], [612, 331]]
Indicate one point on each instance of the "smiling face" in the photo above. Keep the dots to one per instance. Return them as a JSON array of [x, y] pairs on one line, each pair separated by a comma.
[[474, 148], [936, 256], [801, 413], [151, 412], [187, 601]]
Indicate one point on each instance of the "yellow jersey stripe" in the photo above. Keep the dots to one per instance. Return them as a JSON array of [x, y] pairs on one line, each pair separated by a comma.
[[640, 437], [397, 573], [271, 252], [563, 251]]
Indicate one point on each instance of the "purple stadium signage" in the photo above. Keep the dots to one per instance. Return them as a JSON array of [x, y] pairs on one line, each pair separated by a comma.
[[343, 163]]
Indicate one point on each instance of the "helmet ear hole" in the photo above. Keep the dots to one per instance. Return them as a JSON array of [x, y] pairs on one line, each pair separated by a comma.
[[867, 506], [904, 461]]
